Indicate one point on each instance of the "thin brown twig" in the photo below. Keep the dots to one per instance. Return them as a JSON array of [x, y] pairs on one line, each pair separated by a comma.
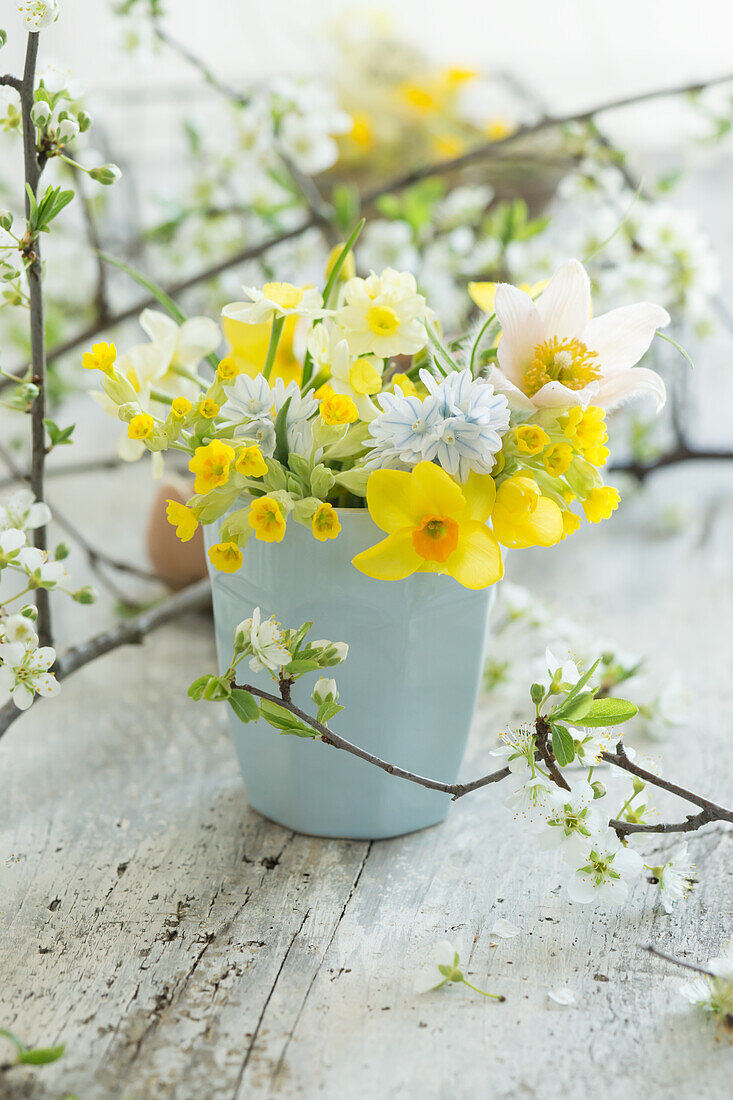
[[682, 453], [677, 962], [33, 166], [196, 597]]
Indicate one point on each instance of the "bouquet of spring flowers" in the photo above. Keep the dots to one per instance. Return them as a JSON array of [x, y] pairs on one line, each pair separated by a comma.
[[496, 441], [343, 443]]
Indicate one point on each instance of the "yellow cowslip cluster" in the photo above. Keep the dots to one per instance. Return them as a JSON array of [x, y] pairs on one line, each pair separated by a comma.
[[325, 523], [557, 458], [266, 519], [338, 408], [228, 369], [211, 465], [531, 439], [586, 430], [102, 357], [180, 407], [600, 503]]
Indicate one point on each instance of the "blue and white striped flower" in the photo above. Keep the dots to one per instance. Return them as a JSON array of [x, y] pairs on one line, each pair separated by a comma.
[[459, 424]]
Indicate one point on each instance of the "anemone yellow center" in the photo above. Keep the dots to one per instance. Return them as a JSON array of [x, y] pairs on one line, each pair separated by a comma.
[[382, 320], [284, 295], [436, 538], [567, 361]]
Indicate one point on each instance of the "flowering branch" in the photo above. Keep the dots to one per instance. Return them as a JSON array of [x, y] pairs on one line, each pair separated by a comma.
[[196, 597], [486, 151]]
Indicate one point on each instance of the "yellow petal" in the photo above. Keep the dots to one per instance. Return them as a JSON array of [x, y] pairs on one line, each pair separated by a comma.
[[476, 561], [483, 295], [392, 559], [543, 527], [389, 497], [480, 493], [434, 492]]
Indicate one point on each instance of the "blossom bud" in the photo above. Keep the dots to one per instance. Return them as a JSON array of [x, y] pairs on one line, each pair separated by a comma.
[[62, 551], [325, 691], [6, 219], [67, 130], [84, 121], [537, 693], [30, 611], [105, 174], [3, 37], [639, 785], [242, 635], [28, 391], [86, 595], [598, 789], [41, 113]]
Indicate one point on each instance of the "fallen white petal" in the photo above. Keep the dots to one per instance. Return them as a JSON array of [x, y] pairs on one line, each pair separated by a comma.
[[505, 929], [562, 996]]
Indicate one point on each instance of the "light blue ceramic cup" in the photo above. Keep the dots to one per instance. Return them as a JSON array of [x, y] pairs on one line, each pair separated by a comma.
[[409, 685]]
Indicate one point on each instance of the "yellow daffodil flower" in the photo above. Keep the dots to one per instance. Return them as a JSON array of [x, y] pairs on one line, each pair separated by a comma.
[[249, 345], [325, 524], [600, 503], [266, 519], [183, 519], [250, 462], [522, 517], [141, 426], [531, 439], [433, 525], [101, 357], [211, 465], [338, 408], [226, 557]]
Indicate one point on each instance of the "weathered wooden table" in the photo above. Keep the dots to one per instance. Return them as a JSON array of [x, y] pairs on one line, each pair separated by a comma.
[[182, 946]]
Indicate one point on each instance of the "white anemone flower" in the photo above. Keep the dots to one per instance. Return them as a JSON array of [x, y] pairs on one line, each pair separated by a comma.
[[39, 14], [603, 876], [275, 300], [24, 671], [24, 512], [553, 354], [266, 640], [384, 315]]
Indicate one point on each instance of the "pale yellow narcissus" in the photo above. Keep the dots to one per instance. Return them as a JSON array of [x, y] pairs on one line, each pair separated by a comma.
[[433, 525]]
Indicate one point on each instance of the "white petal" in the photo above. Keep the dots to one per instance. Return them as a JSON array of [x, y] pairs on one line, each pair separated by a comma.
[[505, 929], [197, 337], [428, 978], [444, 953], [554, 395], [521, 330], [562, 996], [502, 385], [626, 384], [130, 450], [158, 326], [22, 697], [622, 336], [564, 304], [47, 685]]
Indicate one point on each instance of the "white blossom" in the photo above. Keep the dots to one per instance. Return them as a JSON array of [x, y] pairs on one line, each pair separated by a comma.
[[24, 671], [674, 878], [603, 875], [23, 511], [435, 973], [39, 14]]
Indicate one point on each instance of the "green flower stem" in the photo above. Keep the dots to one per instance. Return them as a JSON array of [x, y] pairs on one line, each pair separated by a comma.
[[275, 334], [183, 372], [17, 595], [162, 398], [316, 383], [478, 340], [475, 988]]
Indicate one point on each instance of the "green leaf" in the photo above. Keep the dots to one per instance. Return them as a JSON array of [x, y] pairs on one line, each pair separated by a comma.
[[680, 349], [157, 292], [572, 710], [578, 687], [284, 720], [341, 260], [562, 745], [56, 435], [244, 705], [299, 665], [327, 711], [197, 688], [345, 203], [322, 481], [609, 712], [281, 433], [41, 1056], [13, 1038]]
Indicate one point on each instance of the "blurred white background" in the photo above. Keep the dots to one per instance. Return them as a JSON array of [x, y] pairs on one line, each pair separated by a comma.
[[573, 52]]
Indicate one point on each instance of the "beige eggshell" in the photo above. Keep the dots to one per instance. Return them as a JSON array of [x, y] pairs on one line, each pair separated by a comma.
[[178, 563]]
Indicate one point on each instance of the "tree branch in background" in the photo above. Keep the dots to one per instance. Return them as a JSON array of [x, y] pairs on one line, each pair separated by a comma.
[[34, 272], [486, 151], [196, 597], [101, 299], [683, 453]]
